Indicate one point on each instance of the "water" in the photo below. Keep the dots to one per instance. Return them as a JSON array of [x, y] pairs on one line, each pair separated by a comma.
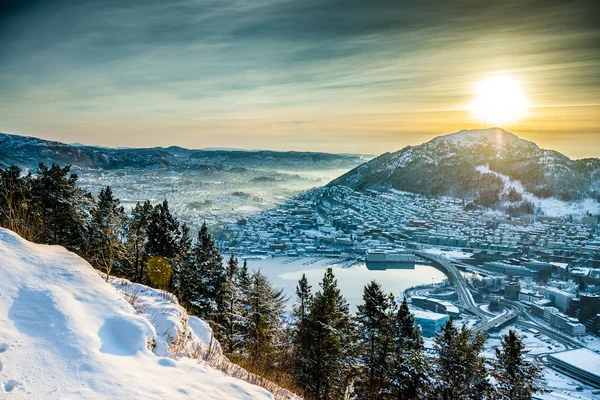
[[351, 281]]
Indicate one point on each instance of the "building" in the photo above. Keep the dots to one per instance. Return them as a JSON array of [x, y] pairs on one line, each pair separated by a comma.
[[530, 296], [511, 290], [506, 269], [580, 364], [585, 309], [430, 323], [559, 298], [436, 305], [556, 319], [566, 324]]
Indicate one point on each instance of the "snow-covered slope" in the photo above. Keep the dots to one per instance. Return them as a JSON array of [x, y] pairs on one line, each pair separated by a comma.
[[65, 333]]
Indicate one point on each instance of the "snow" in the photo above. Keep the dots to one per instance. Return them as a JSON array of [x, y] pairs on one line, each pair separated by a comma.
[[456, 254], [65, 333], [496, 136], [550, 206], [584, 359]]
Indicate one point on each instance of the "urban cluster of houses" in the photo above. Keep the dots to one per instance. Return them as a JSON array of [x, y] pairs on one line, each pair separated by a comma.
[[342, 222]]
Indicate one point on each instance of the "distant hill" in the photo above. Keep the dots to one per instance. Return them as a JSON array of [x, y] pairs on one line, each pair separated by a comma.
[[487, 165], [27, 152]]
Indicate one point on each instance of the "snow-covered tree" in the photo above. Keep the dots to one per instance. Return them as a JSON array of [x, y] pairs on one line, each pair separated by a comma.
[[202, 281], [62, 205], [235, 316], [300, 333], [410, 370], [137, 233], [374, 337], [516, 378], [330, 333], [265, 309], [459, 368], [105, 243]]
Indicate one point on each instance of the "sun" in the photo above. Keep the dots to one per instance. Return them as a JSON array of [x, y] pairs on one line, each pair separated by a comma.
[[499, 100]]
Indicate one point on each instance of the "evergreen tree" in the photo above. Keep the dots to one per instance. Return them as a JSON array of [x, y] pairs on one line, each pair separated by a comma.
[[137, 233], [516, 378], [17, 210], [202, 282], [459, 369], [244, 278], [266, 308], [410, 367], [374, 342], [163, 231], [184, 244], [234, 317], [329, 325], [62, 205], [105, 232], [300, 333]]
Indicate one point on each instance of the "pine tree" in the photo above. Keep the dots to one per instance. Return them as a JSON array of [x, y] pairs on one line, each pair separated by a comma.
[[410, 367], [163, 231], [17, 210], [234, 317], [202, 282], [105, 232], [266, 308], [62, 205], [244, 278], [330, 337], [137, 233], [459, 369], [516, 378], [300, 334], [184, 244], [374, 342]]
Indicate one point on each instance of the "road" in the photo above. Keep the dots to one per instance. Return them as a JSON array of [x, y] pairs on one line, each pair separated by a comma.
[[456, 278], [487, 321]]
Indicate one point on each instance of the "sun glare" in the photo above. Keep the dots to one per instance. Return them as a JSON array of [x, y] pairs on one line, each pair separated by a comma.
[[499, 100]]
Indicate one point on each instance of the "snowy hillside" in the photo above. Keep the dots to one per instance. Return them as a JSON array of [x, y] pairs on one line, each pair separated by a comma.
[[477, 165], [65, 333]]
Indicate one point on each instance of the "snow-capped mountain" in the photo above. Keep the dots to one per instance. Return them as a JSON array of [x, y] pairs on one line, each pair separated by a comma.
[[66, 333], [27, 152], [487, 165]]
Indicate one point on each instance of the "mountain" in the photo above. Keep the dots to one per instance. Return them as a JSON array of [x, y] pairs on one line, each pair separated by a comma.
[[486, 165], [66, 333], [27, 152]]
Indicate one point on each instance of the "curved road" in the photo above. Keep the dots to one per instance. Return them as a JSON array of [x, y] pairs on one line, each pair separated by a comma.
[[487, 321]]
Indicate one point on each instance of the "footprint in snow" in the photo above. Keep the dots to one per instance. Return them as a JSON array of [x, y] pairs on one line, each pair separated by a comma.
[[10, 385], [1, 366], [3, 347]]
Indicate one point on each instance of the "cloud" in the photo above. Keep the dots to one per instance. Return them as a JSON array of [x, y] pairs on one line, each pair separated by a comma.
[[149, 62]]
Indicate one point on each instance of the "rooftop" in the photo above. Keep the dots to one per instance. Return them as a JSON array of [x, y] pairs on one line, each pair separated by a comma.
[[584, 359], [429, 315]]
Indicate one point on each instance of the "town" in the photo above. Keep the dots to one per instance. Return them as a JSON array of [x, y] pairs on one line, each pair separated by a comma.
[[536, 273]]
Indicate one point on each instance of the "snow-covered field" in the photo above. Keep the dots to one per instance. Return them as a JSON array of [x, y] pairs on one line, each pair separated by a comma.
[[65, 333]]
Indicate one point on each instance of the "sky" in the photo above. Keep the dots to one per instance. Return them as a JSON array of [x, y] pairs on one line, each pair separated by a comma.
[[351, 76]]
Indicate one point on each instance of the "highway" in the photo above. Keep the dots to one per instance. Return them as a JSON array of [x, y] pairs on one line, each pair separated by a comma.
[[455, 277], [487, 321]]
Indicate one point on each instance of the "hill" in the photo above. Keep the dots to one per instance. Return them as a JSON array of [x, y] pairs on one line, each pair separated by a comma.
[[27, 152], [66, 333], [486, 165]]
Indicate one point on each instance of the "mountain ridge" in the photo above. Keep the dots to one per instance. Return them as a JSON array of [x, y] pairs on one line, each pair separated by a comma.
[[455, 165], [28, 151]]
